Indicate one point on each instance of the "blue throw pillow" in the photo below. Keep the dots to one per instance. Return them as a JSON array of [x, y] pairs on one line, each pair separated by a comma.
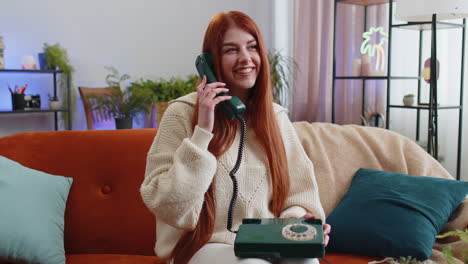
[[32, 207], [387, 214]]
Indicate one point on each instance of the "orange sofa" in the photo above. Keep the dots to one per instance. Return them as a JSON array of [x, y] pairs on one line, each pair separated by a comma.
[[105, 218]]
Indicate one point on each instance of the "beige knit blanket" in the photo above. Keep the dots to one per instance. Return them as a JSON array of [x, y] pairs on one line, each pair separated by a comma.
[[338, 151]]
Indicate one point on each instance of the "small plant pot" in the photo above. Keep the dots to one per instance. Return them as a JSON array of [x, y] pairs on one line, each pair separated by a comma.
[[54, 105], [124, 123], [408, 101]]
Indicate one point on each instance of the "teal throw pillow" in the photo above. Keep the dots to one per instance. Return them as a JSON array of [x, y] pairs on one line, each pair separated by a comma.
[[32, 207], [387, 214]]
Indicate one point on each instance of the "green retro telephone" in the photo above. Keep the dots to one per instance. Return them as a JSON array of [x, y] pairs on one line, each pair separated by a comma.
[[231, 108]]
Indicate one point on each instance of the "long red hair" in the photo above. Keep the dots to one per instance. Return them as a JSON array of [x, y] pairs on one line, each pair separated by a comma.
[[261, 117]]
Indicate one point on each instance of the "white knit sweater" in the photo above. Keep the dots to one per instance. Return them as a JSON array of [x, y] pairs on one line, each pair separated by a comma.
[[180, 168]]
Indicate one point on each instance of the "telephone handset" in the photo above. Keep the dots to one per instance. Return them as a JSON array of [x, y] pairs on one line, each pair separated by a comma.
[[231, 108]]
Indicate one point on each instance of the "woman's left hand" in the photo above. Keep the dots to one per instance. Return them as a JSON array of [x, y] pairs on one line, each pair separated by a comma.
[[326, 229]]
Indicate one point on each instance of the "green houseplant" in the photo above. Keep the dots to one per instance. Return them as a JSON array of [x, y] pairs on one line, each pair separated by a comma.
[[160, 91], [56, 58], [282, 73], [123, 104]]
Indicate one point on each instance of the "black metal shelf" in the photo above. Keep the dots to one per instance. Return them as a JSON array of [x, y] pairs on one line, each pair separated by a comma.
[[363, 2], [377, 77], [427, 25], [418, 27], [361, 77], [29, 71], [54, 73], [426, 107], [3, 111]]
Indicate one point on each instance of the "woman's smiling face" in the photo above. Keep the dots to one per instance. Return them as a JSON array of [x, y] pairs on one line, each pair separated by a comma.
[[240, 62]]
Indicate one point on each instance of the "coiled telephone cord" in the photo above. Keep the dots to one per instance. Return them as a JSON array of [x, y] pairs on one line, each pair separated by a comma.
[[235, 188]]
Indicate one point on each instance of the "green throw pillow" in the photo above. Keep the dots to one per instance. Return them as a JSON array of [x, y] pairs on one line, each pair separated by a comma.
[[32, 207], [393, 214]]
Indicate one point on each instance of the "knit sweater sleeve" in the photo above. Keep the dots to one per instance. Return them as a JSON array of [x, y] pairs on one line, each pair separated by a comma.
[[303, 193], [179, 170]]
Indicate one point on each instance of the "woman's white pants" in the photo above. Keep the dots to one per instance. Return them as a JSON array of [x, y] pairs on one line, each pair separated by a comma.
[[213, 253]]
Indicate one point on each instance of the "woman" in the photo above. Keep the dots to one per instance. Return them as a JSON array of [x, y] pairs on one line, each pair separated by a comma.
[[187, 184]]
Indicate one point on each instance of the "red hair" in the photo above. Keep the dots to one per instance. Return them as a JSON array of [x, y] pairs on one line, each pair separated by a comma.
[[261, 117]]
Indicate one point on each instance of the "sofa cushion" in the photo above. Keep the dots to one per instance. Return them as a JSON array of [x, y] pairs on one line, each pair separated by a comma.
[[393, 214], [32, 214]]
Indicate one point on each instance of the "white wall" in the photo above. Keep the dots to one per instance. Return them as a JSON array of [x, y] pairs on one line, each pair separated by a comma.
[[143, 38]]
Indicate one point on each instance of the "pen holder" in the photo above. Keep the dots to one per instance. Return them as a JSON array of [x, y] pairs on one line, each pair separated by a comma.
[[17, 101]]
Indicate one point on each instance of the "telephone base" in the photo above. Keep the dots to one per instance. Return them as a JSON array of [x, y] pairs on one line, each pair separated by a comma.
[[279, 238]]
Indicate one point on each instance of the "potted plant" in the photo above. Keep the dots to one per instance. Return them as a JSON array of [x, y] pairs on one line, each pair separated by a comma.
[[54, 102], [124, 104], [161, 91], [56, 58], [408, 99], [282, 70]]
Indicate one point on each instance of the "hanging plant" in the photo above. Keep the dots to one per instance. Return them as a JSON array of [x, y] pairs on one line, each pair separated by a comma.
[[57, 59]]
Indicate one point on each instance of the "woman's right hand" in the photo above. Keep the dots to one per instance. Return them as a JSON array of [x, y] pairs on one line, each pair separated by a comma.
[[207, 101]]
